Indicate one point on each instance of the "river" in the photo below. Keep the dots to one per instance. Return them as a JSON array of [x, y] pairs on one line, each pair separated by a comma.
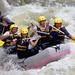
[[28, 12]]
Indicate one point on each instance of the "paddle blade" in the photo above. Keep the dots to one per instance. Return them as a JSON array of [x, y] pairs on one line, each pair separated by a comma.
[[1, 43], [73, 40]]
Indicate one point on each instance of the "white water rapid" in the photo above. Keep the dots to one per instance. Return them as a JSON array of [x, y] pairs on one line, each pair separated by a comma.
[[23, 15]]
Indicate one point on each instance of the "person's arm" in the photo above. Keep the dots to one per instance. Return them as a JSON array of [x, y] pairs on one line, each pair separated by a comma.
[[34, 43], [6, 35], [33, 32], [13, 42], [29, 26], [47, 27], [73, 38], [3, 24], [67, 33], [7, 20]]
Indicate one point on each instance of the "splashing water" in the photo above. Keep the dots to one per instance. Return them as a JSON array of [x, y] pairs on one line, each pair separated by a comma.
[[24, 15]]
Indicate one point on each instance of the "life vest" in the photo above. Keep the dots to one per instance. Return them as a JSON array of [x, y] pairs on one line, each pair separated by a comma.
[[56, 33], [22, 45], [8, 40], [41, 30]]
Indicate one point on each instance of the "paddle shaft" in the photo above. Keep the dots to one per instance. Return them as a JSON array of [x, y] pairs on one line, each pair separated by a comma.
[[58, 30], [40, 31], [61, 32], [3, 31], [43, 32]]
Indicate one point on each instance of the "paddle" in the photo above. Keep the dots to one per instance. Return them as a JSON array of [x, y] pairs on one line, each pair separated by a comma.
[[40, 31], [58, 29], [1, 43], [73, 41], [43, 32]]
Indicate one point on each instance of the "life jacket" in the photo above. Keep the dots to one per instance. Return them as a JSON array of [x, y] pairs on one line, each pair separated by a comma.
[[8, 40], [22, 45], [54, 33], [41, 30]]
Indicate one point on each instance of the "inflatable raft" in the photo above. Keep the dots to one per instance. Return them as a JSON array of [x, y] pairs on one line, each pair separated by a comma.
[[46, 56]]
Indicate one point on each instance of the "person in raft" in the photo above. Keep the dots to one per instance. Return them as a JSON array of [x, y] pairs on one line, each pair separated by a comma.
[[41, 30], [58, 32], [5, 23], [22, 44], [8, 37]]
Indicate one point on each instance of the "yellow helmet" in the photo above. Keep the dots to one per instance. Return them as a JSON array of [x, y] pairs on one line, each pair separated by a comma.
[[41, 18], [57, 20], [12, 26], [24, 30]]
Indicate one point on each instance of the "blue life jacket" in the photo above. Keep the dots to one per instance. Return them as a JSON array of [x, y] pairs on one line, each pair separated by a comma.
[[22, 45], [41, 30], [56, 33], [8, 40]]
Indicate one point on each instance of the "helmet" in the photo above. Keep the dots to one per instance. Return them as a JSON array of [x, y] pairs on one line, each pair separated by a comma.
[[24, 30], [12, 26], [41, 18], [57, 20]]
